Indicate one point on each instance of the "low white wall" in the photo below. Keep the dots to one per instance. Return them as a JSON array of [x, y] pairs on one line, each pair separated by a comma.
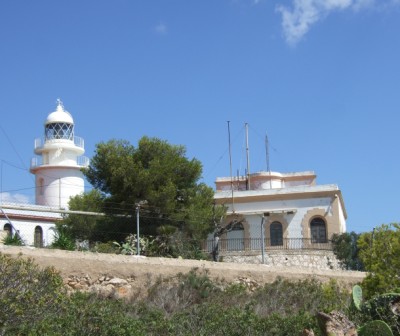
[[26, 230]]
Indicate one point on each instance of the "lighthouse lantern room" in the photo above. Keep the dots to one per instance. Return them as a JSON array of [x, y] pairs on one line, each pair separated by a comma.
[[57, 166]]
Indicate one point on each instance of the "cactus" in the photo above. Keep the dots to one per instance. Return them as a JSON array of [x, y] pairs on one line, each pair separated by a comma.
[[375, 328], [383, 308], [357, 297]]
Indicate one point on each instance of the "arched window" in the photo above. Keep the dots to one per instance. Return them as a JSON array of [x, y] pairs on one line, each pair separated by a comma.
[[276, 234], [38, 238], [318, 230], [7, 227]]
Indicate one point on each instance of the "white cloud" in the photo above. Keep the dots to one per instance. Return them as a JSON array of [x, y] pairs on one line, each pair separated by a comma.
[[6, 197], [161, 29], [296, 22]]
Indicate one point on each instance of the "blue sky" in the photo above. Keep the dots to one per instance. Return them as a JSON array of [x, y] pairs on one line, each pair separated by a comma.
[[321, 78]]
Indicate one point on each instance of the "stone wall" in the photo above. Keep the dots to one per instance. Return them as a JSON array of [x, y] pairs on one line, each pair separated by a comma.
[[105, 285], [321, 260]]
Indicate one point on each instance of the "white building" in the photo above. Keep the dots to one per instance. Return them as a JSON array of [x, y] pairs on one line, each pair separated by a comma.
[[58, 174], [58, 177], [286, 210]]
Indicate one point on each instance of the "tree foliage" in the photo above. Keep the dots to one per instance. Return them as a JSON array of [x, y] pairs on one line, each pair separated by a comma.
[[90, 227], [380, 251], [155, 172], [346, 250]]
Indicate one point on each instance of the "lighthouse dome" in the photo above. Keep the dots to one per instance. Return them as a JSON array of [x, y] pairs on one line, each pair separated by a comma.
[[59, 124], [60, 115]]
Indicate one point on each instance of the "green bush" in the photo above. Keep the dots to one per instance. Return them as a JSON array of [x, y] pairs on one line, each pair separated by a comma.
[[175, 245], [27, 293], [189, 289], [346, 250], [380, 251], [287, 297], [216, 319], [63, 239], [12, 240], [88, 315], [108, 247]]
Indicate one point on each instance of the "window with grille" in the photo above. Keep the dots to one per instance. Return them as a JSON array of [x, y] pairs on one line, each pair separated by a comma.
[[318, 230], [59, 131], [276, 234]]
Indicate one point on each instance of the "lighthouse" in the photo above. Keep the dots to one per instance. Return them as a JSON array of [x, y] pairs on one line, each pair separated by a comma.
[[57, 166]]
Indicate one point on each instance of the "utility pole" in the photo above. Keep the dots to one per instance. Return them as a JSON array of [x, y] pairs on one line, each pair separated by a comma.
[[262, 240], [137, 229], [138, 205]]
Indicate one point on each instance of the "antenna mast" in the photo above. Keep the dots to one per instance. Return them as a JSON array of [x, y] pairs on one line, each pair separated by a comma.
[[267, 158], [230, 164], [247, 156], [267, 152]]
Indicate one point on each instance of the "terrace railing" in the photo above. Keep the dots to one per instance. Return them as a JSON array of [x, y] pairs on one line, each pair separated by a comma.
[[256, 244]]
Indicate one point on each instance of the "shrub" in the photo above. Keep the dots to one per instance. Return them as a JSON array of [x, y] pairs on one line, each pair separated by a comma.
[[63, 240], [27, 293], [129, 245], [108, 247], [89, 315], [287, 297], [346, 250], [380, 252], [175, 245], [215, 319], [12, 240], [186, 290]]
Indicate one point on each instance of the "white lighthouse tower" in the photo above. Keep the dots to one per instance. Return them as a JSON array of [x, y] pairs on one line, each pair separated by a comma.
[[58, 175]]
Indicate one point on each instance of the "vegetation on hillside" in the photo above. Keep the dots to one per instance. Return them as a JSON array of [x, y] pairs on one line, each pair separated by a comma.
[[33, 301]]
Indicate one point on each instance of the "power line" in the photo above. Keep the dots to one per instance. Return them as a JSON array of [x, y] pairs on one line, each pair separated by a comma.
[[12, 145]]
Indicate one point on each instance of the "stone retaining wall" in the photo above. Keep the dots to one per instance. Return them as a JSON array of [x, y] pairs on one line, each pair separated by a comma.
[[321, 260], [117, 288], [106, 286]]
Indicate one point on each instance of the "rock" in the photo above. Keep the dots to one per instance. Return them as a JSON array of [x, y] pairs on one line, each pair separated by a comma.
[[117, 282], [336, 324], [107, 291]]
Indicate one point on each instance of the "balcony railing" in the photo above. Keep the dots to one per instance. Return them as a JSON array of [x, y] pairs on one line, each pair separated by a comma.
[[81, 161], [78, 142], [256, 244]]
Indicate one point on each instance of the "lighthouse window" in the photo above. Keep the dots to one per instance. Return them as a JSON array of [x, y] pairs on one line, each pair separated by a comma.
[[41, 186], [59, 131]]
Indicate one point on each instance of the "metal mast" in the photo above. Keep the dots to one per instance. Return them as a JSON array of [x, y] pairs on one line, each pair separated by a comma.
[[247, 157], [267, 159], [230, 164]]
